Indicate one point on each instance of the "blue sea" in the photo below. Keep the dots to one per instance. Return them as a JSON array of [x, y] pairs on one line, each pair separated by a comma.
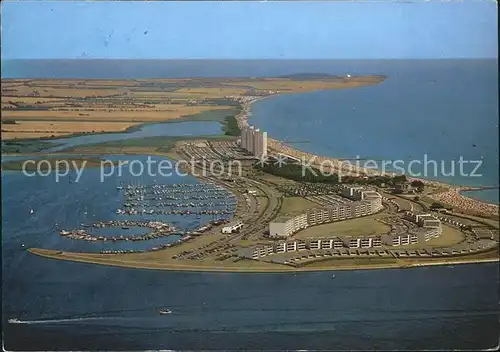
[[74, 306], [425, 117], [433, 113]]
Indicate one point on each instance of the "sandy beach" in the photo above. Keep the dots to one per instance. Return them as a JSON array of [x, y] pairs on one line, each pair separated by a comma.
[[450, 195], [465, 204]]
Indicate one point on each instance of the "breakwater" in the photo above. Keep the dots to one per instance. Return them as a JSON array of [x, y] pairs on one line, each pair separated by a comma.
[[159, 229]]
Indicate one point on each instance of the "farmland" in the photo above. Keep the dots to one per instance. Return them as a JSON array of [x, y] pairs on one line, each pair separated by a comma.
[[47, 108]]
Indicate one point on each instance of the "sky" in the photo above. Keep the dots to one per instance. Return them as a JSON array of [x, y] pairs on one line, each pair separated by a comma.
[[249, 30]]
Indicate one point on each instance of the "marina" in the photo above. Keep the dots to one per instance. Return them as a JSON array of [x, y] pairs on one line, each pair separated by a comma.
[[155, 207], [159, 229], [133, 211]]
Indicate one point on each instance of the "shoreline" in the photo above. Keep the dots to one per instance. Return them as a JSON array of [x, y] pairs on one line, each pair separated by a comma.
[[477, 189], [452, 192], [80, 257], [451, 195], [136, 127]]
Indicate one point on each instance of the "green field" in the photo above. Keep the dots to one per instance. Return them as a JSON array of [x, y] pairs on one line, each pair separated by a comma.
[[364, 226], [26, 146], [229, 129], [158, 144], [210, 115], [296, 204]]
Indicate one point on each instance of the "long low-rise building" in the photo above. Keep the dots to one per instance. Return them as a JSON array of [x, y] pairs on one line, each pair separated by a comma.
[[233, 227], [288, 225], [423, 219], [348, 242]]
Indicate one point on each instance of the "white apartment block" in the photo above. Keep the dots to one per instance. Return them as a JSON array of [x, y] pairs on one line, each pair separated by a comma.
[[424, 220], [317, 216], [254, 141], [287, 225], [355, 242], [403, 239], [351, 192]]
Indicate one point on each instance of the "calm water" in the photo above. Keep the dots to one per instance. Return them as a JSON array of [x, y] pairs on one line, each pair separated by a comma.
[[443, 109], [67, 204], [64, 305], [433, 114], [184, 129]]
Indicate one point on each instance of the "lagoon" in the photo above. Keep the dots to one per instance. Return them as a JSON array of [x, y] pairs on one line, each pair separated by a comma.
[[167, 129], [74, 306]]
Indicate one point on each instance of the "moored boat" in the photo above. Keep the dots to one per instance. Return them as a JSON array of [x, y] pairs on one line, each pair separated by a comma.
[[165, 311]]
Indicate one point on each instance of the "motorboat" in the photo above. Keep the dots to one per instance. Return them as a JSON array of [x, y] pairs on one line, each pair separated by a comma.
[[14, 321], [165, 311]]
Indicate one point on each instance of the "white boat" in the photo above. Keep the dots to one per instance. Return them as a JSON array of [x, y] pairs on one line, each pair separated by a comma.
[[32, 211], [165, 311], [14, 321], [333, 276]]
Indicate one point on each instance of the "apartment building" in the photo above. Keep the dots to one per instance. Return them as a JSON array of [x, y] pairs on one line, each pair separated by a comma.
[[287, 225], [352, 192], [318, 216], [423, 219], [254, 141]]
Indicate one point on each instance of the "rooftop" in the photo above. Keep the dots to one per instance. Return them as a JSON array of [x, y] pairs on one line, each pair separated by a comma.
[[428, 217], [282, 219], [371, 194]]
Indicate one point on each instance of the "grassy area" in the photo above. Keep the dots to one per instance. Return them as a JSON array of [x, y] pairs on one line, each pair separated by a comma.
[[225, 116], [37, 108], [46, 164], [296, 204], [231, 126], [449, 237], [364, 226], [37, 130], [158, 144], [163, 144], [493, 221], [220, 115], [26, 146], [274, 179], [296, 173]]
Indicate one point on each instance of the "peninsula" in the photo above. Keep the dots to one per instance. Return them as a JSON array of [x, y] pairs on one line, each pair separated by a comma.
[[49, 108], [281, 222]]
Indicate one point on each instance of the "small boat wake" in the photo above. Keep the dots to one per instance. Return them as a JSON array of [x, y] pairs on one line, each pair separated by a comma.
[[60, 321]]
